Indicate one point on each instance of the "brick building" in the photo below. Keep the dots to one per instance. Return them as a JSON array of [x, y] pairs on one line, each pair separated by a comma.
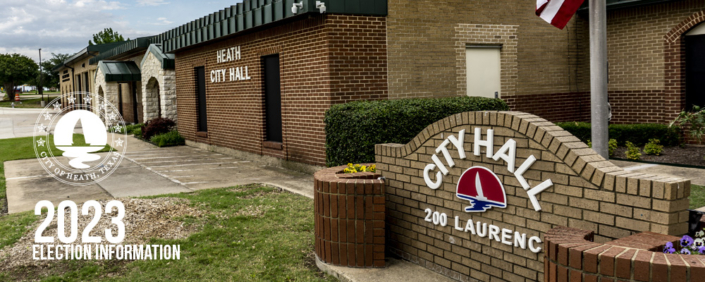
[[653, 62], [77, 74], [258, 78]]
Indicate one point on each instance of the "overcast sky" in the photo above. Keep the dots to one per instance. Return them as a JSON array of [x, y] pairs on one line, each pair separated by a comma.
[[65, 26]]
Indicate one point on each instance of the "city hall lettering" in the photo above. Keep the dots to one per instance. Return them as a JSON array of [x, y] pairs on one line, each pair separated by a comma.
[[482, 188], [230, 74]]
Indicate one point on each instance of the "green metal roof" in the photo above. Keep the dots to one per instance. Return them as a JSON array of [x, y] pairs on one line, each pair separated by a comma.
[[119, 71], [166, 59], [620, 4], [254, 13], [90, 48], [127, 47]]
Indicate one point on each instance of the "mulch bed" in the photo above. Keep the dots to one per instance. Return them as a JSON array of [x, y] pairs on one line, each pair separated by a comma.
[[689, 155]]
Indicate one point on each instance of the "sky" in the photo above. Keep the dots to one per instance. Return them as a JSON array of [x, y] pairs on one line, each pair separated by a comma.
[[65, 26]]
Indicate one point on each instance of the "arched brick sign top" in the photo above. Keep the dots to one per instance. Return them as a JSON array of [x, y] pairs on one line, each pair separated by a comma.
[[463, 233]]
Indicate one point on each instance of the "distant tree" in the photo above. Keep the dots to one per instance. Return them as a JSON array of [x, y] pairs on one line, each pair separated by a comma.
[[16, 69], [49, 78], [106, 36]]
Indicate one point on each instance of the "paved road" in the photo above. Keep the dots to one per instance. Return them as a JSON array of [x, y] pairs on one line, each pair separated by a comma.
[[148, 170], [17, 122]]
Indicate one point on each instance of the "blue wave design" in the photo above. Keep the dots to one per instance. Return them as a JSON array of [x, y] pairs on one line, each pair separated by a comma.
[[478, 205]]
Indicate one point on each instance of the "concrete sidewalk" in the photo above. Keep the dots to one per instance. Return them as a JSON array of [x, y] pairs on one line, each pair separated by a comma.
[[696, 175], [148, 170]]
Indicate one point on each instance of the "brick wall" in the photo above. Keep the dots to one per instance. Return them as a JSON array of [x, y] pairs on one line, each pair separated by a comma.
[[427, 42], [324, 59], [571, 256], [646, 49], [587, 193]]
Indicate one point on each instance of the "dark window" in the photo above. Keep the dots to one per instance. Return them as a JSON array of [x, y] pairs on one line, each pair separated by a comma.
[[694, 71], [272, 99], [120, 99], [135, 116], [201, 98]]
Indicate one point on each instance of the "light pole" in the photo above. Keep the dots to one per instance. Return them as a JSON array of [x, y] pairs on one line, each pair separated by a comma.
[[41, 74], [598, 77]]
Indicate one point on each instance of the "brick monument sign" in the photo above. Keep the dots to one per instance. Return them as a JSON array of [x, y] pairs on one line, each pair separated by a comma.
[[473, 195]]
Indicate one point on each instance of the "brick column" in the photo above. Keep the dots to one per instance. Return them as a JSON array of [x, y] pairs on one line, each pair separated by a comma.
[[350, 212]]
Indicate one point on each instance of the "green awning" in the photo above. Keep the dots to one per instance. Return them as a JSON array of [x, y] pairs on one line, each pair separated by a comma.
[[120, 71]]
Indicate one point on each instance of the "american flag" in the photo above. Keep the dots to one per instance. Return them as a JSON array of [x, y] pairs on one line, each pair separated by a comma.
[[557, 12]]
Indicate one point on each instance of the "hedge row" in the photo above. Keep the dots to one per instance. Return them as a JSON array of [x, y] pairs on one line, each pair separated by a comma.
[[353, 129], [639, 134]]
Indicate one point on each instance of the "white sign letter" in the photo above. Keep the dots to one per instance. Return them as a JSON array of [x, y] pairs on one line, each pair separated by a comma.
[[458, 143], [429, 183], [510, 158], [519, 174], [489, 143], [531, 244], [538, 189], [443, 148]]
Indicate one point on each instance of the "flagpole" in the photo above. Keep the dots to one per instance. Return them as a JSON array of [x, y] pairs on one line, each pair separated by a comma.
[[598, 77]]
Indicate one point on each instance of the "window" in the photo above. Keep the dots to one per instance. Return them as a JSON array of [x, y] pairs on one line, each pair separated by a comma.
[[483, 71], [200, 73], [695, 67], [272, 99]]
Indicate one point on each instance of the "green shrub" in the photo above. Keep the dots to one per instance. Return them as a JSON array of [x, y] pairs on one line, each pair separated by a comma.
[[653, 147], [171, 138], [353, 129], [157, 126], [611, 146], [137, 132], [695, 120], [638, 134], [129, 129], [633, 152]]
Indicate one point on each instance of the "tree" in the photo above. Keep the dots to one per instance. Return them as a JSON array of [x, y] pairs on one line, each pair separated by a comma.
[[106, 36], [50, 78], [16, 69]]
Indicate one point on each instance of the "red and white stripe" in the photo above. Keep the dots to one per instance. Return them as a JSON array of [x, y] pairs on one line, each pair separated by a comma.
[[557, 12]]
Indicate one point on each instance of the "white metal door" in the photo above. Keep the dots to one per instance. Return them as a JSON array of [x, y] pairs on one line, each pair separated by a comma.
[[483, 71]]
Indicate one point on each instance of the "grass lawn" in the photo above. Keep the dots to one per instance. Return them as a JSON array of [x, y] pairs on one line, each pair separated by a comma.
[[19, 149], [250, 233], [697, 196], [31, 103]]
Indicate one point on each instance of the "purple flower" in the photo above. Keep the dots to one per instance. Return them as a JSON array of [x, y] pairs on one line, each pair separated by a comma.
[[685, 251], [701, 250], [669, 250], [686, 241], [669, 245]]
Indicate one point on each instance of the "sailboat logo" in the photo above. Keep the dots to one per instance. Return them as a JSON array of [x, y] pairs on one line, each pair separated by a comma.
[[482, 188], [94, 132]]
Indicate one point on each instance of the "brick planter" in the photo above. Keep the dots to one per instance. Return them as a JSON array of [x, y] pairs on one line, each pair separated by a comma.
[[350, 211], [571, 256]]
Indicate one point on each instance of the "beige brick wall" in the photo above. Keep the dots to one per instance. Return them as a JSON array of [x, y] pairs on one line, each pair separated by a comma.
[[423, 54], [587, 193]]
